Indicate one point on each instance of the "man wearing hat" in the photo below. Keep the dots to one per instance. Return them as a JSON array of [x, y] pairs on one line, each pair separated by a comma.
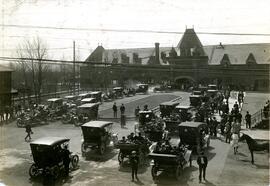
[[202, 162], [134, 161]]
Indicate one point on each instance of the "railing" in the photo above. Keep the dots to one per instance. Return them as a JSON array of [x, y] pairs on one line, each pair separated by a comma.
[[257, 117]]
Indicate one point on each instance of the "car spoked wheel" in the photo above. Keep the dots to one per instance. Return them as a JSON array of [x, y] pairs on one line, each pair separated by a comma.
[[178, 172], [33, 171], [74, 161], [55, 172], [102, 149], [83, 149], [120, 158]]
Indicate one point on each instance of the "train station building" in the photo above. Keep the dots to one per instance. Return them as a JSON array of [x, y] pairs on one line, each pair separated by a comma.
[[240, 66]]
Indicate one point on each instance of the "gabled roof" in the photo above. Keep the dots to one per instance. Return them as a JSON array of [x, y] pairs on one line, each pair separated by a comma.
[[238, 53], [189, 40], [225, 60], [96, 55]]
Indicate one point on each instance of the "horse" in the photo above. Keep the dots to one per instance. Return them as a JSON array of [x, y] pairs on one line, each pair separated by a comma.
[[254, 146]]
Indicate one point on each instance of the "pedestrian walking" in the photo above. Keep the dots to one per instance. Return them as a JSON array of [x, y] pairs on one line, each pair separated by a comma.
[[248, 120], [215, 125], [122, 109], [202, 162], [228, 132], [137, 110], [114, 110], [29, 131], [123, 120], [134, 161]]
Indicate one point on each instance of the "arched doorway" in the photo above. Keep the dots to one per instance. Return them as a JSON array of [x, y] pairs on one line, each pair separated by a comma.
[[184, 82]]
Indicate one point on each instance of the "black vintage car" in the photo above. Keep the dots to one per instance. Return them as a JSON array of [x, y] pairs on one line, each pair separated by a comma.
[[97, 135], [167, 108], [195, 100], [142, 88], [97, 95], [194, 135], [47, 154]]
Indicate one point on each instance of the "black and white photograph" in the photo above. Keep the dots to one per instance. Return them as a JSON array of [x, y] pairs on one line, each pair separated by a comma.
[[134, 92]]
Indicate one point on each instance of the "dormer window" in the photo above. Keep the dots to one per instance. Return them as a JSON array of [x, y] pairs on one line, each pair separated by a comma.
[[251, 59], [225, 61]]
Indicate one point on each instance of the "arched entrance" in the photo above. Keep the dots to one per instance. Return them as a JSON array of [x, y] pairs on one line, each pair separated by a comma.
[[184, 82]]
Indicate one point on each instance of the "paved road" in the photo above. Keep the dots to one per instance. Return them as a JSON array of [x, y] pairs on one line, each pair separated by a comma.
[[15, 158]]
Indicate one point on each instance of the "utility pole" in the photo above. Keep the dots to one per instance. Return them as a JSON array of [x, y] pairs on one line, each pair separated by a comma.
[[74, 72]]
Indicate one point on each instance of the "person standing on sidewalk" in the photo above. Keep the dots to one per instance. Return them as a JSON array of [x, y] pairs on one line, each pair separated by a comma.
[[134, 161], [248, 120], [122, 109], [29, 131], [114, 110], [202, 162]]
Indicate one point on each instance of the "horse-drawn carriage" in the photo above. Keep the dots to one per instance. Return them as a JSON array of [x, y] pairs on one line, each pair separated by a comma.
[[48, 157]]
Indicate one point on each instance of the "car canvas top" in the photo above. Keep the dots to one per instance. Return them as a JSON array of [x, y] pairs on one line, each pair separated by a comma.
[[183, 107], [191, 124], [169, 103], [97, 124], [87, 105], [54, 99], [96, 92], [49, 141], [87, 99]]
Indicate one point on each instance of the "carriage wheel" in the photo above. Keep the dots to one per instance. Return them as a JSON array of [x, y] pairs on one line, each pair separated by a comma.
[[102, 148], [178, 172], [154, 171], [120, 157], [33, 171], [83, 149], [74, 161], [56, 172]]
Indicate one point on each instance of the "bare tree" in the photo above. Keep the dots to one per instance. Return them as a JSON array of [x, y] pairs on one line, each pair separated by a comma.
[[35, 51]]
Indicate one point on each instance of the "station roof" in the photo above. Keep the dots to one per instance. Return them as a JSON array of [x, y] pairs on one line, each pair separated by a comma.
[[97, 124], [49, 141]]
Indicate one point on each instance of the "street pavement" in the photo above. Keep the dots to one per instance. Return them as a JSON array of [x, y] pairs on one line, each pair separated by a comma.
[[15, 154]]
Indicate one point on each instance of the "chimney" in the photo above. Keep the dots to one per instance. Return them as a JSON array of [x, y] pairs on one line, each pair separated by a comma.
[[157, 53]]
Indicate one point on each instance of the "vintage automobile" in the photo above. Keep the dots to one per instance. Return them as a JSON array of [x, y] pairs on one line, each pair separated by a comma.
[[167, 108], [145, 117], [130, 92], [195, 100], [126, 148], [186, 112], [71, 101], [97, 95], [212, 87], [118, 92], [194, 135], [88, 100], [142, 88], [212, 93], [173, 162], [87, 112], [97, 135], [47, 154], [83, 96], [54, 103]]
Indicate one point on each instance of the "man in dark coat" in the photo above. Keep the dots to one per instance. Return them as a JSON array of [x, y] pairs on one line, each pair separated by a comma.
[[66, 159], [29, 131], [122, 109], [248, 120], [202, 162], [114, 110], [134, 161]]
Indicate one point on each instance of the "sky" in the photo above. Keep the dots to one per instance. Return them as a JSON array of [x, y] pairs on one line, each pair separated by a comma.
[[225, 16]]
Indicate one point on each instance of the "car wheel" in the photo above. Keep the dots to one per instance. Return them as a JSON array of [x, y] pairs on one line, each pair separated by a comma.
[[74, 161], [102, 148], [178, 172], [33, 171], [154, 172], [55, 172], [83, 149], [120, 158]]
